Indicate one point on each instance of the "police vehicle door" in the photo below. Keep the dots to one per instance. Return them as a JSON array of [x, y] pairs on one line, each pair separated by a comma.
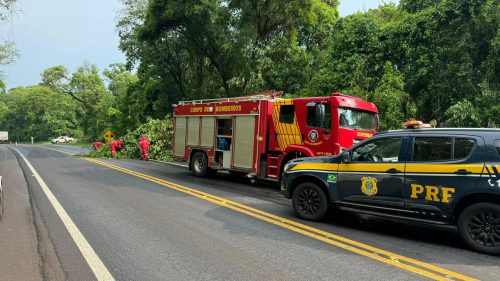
[[374, 176], [441, 170]]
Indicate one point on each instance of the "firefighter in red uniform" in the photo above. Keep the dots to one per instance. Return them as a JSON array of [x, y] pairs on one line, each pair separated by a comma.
[[144, 144], [115, 146], [96, 145]]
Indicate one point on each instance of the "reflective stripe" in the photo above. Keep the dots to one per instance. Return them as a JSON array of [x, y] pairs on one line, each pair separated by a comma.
[[443, 168], [442, 175], [371, 167], [316, 166], [410, 169], [312, 171]]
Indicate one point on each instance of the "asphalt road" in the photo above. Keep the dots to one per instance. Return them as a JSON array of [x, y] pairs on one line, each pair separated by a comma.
[[155, 221]]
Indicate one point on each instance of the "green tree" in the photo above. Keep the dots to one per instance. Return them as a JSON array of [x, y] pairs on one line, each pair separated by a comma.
[[462, 114], [191, 50], [122, 113], [8, 51], [38, 111], [87, 88], [392, 101]]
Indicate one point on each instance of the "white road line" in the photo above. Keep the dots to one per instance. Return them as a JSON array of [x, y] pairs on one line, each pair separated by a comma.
[[175, 164], [169, 163], [95, 263]]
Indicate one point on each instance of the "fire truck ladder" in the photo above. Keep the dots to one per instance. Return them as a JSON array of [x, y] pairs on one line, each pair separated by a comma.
[[253, 97]]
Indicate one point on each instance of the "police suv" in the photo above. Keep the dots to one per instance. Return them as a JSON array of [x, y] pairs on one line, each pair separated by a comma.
[[438, 176]]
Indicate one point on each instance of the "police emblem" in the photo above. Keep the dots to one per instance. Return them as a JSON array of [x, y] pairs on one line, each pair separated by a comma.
[[313, 135], [369, 186]]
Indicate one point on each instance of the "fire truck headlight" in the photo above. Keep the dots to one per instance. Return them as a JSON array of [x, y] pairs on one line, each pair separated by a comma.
[[289, 166]]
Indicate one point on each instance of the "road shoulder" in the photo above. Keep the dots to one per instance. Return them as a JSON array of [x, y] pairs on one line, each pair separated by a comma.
[[18, 237]]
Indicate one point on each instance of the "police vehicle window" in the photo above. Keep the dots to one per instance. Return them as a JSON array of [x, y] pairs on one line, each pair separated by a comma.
[[287, 113], [379, 150], [497, 146], [463, 147], [357, 119], [432, 149], [312, 120]]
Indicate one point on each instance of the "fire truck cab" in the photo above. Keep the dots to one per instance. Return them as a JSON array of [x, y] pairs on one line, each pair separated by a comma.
[[258, 134]]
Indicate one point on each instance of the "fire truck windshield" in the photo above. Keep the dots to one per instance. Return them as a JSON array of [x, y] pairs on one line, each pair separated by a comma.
[[357, 119]]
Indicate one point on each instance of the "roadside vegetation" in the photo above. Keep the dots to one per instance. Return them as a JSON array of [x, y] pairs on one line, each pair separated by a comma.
[[418, 59], [159, 133]]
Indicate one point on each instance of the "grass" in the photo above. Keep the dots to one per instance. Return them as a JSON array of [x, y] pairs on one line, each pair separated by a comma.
[[77, 143]]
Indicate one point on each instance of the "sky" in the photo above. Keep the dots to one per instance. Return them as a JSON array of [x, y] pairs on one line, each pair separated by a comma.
[[71, 32]]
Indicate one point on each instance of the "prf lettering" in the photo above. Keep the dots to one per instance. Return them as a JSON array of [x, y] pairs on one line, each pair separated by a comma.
[[432, 193]]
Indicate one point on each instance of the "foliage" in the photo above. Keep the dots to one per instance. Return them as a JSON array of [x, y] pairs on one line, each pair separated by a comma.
[[159, 133], [97, 109], [8, 51], [38, 112], [441, 52], [193, 49], [392, 102], [462, 113]]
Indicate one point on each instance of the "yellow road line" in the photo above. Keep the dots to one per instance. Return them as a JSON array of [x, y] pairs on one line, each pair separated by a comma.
[[409, 264], [415, 266]]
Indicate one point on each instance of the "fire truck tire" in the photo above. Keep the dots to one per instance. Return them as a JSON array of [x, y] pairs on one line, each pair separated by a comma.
[[310, 201], [479, 227], [199, 165]]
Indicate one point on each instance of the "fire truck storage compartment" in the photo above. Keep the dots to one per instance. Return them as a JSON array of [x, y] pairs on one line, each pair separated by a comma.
[[244, 141], [207, 131], [224, 145], [193, 136], [180, 136]]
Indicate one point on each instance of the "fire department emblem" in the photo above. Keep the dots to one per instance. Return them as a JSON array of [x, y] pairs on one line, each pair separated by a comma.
[[313, 135], [369, 186]]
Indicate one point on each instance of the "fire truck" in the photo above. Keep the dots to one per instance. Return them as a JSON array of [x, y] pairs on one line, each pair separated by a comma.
[[258, 134]]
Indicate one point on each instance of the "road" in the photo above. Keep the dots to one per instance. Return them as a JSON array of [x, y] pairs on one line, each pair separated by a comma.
[[69, 218]]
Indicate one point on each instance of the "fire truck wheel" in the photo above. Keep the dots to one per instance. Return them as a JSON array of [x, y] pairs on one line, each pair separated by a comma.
[[200, 164], [479, 227], [310, 202]]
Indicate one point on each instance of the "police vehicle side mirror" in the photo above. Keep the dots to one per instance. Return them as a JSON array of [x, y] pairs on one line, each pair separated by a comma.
[[346, 157]]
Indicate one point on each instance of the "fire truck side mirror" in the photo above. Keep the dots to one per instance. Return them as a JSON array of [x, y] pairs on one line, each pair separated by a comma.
[[320, 113], [346, 157]]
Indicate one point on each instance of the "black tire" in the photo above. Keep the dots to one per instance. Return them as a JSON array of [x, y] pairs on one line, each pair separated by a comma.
[[57, 142], [70, 141], [479, 227], [310, 202], [199, 165]]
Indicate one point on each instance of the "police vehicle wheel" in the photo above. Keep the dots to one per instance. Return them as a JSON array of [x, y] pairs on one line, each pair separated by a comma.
[[310, 202], [199, 164], [479, 227]]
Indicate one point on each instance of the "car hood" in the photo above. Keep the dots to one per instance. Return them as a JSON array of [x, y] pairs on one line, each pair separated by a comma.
[[318, 159]]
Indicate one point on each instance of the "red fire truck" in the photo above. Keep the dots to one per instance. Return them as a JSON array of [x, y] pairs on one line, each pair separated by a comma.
[[258, 134]]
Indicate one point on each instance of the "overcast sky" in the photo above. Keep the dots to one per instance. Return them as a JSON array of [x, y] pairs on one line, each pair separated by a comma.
[[69, 32]]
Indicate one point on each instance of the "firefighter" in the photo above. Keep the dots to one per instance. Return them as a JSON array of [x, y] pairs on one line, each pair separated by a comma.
[[115, 146], [144, 145], [96, 145]]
